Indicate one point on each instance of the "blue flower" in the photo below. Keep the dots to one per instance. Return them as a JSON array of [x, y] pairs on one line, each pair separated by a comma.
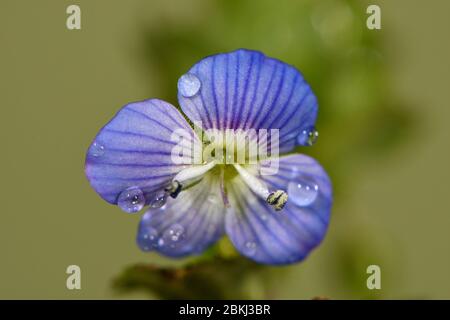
[[274, 218]]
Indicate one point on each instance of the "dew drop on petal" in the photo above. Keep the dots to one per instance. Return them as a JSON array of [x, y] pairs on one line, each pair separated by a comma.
[[174, 235], [131, 200], [308, 137], [302, 193], [159, 199], [250, 248], [97, 149], [147, 239], [176, 232], [189, 85]]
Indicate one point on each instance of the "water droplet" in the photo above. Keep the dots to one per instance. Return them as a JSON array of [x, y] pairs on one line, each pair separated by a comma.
[[159, 200], [176, 232], [189, 85], [302, 193], [97, 149], [250, 248], [147, 238], [131, 200], [308, 137], [174, 235]]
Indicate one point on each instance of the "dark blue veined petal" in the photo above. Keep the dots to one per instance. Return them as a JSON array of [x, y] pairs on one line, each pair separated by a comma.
[[134, 150], [287, 236], [185, 225], [244, 89]]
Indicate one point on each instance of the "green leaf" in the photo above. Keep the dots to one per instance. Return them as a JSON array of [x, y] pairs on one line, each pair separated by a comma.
[[220, 278]]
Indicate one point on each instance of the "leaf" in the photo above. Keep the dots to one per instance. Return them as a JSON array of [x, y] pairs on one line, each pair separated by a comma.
[[219, 278]]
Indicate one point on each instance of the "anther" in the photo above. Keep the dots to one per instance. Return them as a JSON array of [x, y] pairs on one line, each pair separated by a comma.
[[174, 189], [277, 199]]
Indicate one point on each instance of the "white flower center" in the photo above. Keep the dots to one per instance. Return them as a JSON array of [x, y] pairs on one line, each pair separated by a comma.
[[194, 174]]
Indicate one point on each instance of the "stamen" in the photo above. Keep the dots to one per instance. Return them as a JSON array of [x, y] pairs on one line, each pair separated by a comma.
[[194, 172], [256, 185], [277, 198], [188, 177]]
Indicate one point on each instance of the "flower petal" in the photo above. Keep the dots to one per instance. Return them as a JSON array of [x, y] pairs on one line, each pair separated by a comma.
[[134, 150], [185, 225], [287, 236], [244, 89]]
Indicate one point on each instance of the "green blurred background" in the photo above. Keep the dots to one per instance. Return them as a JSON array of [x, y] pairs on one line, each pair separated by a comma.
[[383, 122]]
